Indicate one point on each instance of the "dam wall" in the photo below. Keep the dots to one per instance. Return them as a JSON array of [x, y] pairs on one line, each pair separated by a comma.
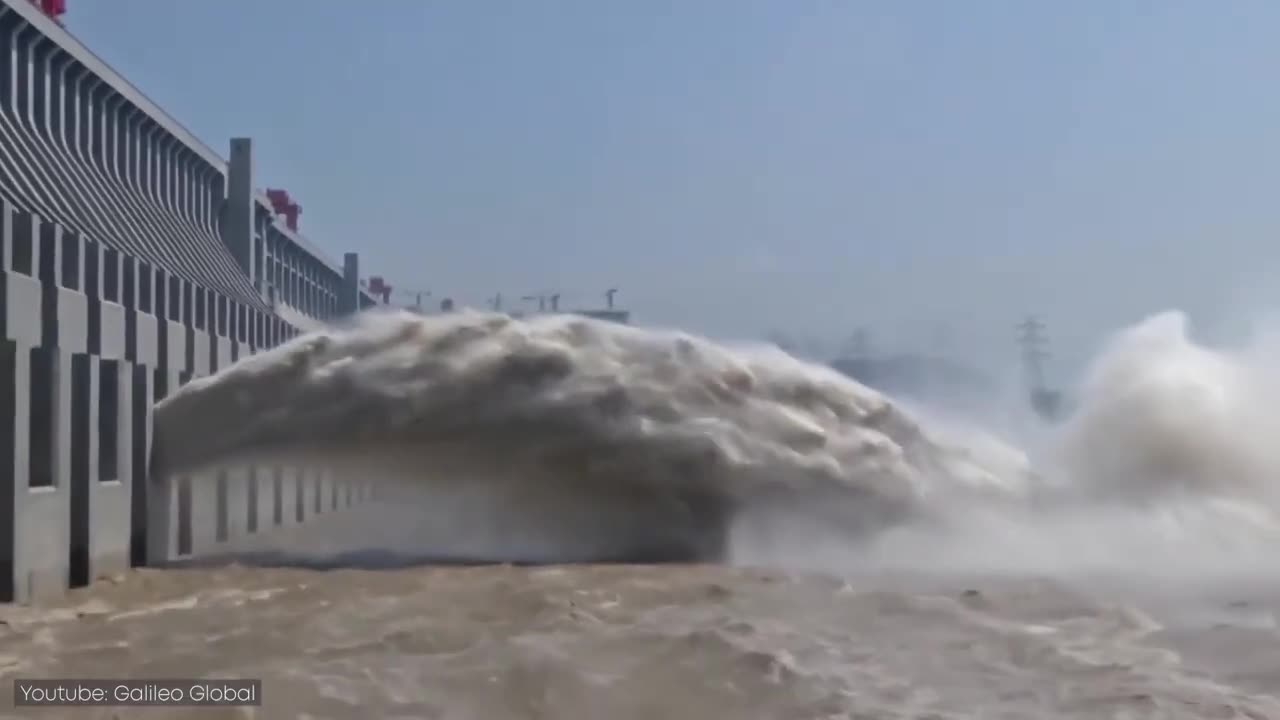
[[135, 259], [92, 340]]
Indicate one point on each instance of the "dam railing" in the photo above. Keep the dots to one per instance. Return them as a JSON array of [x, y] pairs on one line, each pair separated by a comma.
[[135, 258]]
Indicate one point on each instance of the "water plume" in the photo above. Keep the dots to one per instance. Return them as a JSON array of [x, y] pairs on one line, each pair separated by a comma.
[[562, 438], [590, 440]]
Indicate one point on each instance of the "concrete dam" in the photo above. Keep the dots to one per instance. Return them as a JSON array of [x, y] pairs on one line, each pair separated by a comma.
[[135, 258]]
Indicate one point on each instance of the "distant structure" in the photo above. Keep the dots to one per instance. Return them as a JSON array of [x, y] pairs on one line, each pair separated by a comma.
[[550, 303], [610, 313], [622, 317], [419, 296], [1031, 338]]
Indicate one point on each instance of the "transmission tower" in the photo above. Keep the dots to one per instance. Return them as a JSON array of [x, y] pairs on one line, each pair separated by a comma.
[[1034, 344]]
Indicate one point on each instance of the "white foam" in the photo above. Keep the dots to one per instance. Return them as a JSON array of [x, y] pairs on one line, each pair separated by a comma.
[[561, 437], [560, 415]]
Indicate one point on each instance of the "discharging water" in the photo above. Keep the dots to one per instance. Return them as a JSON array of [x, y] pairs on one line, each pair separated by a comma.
[[841, 556]]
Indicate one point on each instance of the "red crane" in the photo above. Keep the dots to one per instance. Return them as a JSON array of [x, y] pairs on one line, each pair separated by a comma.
[[282, 204], [379, 288], [52, 8]]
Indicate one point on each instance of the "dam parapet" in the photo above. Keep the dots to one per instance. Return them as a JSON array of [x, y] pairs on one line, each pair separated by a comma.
[[135, 259]]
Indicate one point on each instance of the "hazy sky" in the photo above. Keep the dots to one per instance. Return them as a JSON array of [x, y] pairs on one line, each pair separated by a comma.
[[737, 166]]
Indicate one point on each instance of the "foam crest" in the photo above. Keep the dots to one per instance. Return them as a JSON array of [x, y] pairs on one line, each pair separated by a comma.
[[670, 430]]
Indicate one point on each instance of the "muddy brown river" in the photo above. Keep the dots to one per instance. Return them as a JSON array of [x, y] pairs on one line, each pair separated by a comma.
[[643, 642]]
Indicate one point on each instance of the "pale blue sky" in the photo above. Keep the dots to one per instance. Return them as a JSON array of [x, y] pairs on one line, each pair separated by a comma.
[[735, 165]]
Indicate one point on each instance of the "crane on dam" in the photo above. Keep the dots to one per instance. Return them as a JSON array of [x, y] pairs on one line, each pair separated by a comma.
[[53, 9]]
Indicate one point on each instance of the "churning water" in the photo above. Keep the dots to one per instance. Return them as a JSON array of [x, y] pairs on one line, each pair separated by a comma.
[[565, 438], [865, 560]]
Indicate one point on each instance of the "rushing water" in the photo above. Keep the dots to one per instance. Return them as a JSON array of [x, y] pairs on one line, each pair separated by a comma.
[[859, 560]]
